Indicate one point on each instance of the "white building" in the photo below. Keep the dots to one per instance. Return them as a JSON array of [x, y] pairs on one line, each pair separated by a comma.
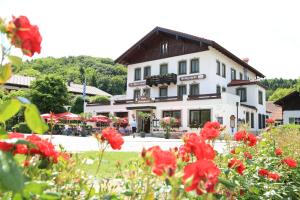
[[290, 108], [190, 78]]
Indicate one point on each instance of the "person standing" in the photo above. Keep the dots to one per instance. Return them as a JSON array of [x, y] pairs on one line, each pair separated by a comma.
[[133, 127]]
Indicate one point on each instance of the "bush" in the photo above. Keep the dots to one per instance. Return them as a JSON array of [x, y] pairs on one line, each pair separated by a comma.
[[100, 99], [22, 128]]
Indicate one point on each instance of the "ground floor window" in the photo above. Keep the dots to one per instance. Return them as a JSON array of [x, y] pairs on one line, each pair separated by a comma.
[[173, 113], [121, 114], [103, 113], [252, 120], [294, 120], [199, 117]]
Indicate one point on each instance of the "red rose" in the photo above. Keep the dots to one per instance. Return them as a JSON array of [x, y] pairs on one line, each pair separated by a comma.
[[15, 135], [4, 146], [248, 155], [25, 36], [237, 165], [201, 176], [278, 152], [274, 176], [114, 138], [290, 162], [263, 172]]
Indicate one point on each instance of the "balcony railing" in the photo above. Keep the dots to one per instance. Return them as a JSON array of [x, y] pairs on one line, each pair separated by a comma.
[[161, 79], [204, 96], [166, 99], [124, 101]]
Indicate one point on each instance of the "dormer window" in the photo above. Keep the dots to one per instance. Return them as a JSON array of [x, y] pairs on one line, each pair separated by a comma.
[[164, 48]]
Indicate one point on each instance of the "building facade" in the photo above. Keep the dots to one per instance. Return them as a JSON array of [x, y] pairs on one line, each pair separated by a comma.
[[190, 78]]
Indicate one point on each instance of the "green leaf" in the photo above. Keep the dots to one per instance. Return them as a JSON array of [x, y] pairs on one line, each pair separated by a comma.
[[11, 177], [227, 184], [35, 188], [8, 109], [5, 73], [34, 120], [15, 60], [50, 196]]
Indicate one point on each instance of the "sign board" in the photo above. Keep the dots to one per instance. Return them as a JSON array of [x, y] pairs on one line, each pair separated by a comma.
[[192, 77], [232, 121], [135, 84], [143, 99]]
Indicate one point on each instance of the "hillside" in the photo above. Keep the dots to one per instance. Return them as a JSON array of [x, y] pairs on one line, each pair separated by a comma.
[[100, 72]]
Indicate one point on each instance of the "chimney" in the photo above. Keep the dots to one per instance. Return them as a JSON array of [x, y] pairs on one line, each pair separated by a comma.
[[246, 60]]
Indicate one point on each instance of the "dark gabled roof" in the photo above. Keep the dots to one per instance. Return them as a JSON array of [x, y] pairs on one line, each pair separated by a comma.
[[245, 82], [192, 38], [290, 95]]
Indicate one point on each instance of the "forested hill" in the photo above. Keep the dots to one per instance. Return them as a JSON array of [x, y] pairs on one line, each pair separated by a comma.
[[100, 72]]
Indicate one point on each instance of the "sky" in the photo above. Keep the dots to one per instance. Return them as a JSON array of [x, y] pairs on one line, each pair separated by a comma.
[[267, 32]]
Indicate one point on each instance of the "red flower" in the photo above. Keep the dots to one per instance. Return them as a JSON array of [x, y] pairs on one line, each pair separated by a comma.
[[183, 154], [15, 135], [162, 162], [240, 136], [210, 131], [251, 139], [278, 152], [274, 176], [21, 149], [270, 121], [263, 172], [201, 176], [232, 151], [4, 146], [212, 125], [290, 162], [237, 165], [248, 155], [114, 138], [25, 36], [247, 138]]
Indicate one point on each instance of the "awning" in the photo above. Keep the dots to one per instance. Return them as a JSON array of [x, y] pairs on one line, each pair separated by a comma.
[[141, 107]]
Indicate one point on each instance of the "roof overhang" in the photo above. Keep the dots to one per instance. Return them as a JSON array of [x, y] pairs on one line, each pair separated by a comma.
[[141, 107]]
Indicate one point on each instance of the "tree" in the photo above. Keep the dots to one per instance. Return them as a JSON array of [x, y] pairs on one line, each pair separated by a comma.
[[77, 105], [49, 93], [279, 93]]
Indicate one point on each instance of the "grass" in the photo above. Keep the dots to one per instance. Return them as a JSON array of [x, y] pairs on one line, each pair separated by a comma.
[[88, 162]]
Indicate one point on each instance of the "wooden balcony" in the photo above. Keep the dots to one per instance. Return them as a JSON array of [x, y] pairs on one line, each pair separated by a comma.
[[167, 99], [204, 96], [161, 79], [124, 101]]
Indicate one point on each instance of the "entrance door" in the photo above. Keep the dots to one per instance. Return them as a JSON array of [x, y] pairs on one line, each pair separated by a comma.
[[143, 124]]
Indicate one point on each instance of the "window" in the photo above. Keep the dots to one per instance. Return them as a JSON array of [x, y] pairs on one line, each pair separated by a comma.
[[136, 94], [242, 93], [146, 92], [163, 91], [194, 89], [163, 69], [259, 121], [294, 120], [173, 113], [263, 121], [198, 118], [252, 120], [260, 97], [182, 67], [223, 89], [246, 74], [137, 74], [247, 117], [233, 74], [181, 90], [241, 76], [218, 68], [147, 72], [164, 48], [223, 70], [194, 66], [218, 89]]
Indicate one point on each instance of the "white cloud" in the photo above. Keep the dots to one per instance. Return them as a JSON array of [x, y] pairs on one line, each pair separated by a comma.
[[265, 31]]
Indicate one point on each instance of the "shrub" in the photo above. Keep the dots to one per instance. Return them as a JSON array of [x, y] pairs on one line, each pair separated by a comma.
[[100, 99], [22, 128]]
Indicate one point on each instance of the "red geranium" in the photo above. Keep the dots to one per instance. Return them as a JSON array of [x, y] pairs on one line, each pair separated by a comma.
[[114, 138], [25, 36], [214, 125], [274, 176], [15, 135], [263, 172], [4, 146], [237, 165], [270, 121], [240, 135], [210, 131], [183, 154], [247, 138], [278, 152], [162, 162], [290, 162], [251, 139], [248, 155], [201, 176]]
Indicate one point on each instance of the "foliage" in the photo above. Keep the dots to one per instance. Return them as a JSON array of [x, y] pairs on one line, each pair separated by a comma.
[[22, 128], [167, 123], [279, 93], [77, 105], [49, 93], [102, 73], [99, 99], [144, 116], [276, 83]]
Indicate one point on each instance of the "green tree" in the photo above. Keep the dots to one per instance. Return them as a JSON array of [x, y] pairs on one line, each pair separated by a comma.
[[77, 105], [279, 93], [49, 93]]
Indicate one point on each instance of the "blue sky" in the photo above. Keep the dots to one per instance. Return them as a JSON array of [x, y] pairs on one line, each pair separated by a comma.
[[267, 32]]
